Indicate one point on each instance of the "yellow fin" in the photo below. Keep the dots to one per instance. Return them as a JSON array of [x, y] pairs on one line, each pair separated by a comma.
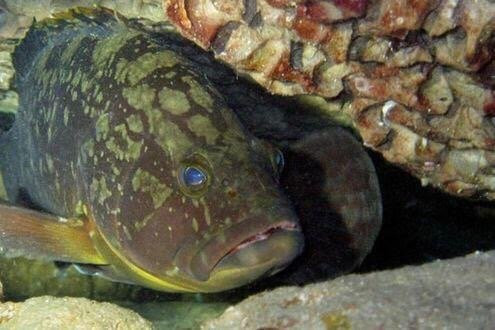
[[37, 235]]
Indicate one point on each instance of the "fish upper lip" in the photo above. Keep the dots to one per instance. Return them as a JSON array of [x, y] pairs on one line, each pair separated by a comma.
[[199, 260]]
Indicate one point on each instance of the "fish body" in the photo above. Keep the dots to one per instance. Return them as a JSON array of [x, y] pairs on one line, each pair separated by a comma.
[[137, 168]]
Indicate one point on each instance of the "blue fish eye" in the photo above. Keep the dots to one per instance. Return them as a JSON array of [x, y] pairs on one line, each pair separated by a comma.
[[193, 177]]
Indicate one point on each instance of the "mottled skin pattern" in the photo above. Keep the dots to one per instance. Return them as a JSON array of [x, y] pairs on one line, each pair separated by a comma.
[[107, 121]]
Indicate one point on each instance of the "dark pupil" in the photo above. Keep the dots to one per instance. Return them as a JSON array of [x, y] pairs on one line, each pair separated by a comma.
[[193, 176]]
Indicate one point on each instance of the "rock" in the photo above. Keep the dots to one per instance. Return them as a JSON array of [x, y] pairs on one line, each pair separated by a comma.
[[68, 313], [177, 315], [415, 76], [455, 293]]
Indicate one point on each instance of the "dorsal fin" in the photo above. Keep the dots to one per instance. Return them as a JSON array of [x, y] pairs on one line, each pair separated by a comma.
[[58, 29]]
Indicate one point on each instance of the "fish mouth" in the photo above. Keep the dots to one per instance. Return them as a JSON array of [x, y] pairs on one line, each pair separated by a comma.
[[263, 254], [245, 252], [288, 226]]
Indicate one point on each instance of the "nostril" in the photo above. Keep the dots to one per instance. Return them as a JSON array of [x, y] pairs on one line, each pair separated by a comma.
[[232, 193]]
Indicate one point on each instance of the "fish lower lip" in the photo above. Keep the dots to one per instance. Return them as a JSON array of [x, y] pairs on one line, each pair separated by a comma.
[[264, 253]]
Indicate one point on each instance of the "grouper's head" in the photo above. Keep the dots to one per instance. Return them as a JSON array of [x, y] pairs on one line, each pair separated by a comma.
[[200, 209], [241, 226]]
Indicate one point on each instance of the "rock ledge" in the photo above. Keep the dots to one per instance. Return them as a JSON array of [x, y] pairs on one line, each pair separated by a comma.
[[458, 293]]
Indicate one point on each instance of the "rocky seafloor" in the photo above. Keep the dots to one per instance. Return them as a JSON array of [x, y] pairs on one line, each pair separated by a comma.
[[454, 294]]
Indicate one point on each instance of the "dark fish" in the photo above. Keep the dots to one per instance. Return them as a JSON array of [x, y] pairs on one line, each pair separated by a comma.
[[134, 166]]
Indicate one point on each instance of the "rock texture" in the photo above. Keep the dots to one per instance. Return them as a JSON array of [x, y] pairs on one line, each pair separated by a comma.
[[416, 77], [177, 315], [17, 15], [68, 313], [456, 293]]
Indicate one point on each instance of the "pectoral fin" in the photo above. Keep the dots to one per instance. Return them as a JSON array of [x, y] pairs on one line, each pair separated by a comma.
[[37, 235]]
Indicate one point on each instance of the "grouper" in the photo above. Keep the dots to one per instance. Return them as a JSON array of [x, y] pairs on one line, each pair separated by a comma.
[[126, 161]]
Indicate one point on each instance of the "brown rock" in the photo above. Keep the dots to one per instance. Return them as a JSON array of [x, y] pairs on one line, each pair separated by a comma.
[[68, 313]]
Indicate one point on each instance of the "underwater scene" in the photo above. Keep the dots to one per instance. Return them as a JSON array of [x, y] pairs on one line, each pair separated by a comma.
[[255, 164]]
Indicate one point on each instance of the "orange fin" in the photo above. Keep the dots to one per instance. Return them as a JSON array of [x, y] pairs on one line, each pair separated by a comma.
[[37, 235]]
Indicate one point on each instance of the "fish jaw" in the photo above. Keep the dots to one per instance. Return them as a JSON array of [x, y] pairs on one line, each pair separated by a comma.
[[253, 256], [250, 249]]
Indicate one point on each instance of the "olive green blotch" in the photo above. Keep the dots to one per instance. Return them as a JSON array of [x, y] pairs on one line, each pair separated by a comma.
[[168, 135], [85, 84], [105, 50], [202, 126], [174, 101], [147, 63], [99, 190], [146, 182], [66, 116], [120, 73], [130, 151], [89, 148], [78, 77], [198, 93], [135, 123], [80, 209], [140, 97], [102, 127], [72, 48]]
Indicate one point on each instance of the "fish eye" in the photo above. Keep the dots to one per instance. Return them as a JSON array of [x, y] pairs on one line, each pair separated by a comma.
[[193, 177], [278, 158], [274, 155]]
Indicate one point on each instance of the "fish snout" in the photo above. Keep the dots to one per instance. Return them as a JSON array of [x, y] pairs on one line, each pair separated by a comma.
[[244, 252]]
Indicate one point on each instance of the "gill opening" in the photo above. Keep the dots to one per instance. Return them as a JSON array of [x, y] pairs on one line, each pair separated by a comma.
[[135, 272]]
